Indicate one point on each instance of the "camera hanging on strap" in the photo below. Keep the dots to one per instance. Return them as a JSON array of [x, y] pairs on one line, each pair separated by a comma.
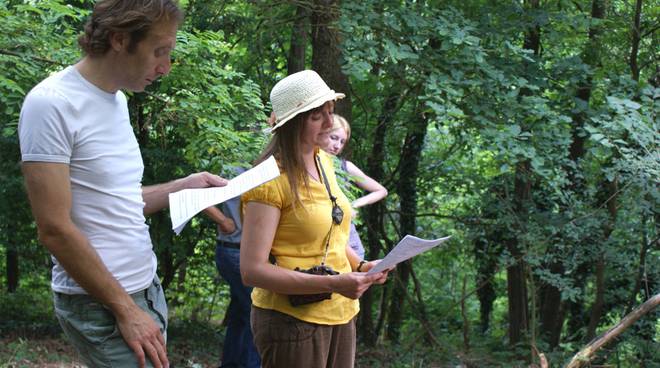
[[322, 269]]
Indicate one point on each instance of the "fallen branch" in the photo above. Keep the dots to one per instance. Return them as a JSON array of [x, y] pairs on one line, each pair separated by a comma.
[[543, 361], [585, 355]]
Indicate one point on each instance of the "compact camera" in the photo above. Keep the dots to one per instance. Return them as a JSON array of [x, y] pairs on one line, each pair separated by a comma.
[[302, 299]]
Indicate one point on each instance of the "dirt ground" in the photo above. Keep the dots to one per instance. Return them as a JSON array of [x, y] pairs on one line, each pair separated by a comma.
[[52, 352], [47, 352]]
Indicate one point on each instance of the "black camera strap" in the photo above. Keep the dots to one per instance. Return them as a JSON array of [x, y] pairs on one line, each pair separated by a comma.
[[325, 181], [335, 208]]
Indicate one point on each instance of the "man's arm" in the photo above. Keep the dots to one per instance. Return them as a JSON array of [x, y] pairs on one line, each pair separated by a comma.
[[49, 191], [225, 224], [156, 197]]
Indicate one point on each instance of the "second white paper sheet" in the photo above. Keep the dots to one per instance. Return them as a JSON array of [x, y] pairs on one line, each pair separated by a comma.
[[407, 248]]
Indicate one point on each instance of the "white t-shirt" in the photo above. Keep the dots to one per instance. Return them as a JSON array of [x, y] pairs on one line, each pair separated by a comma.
[[66, 119]]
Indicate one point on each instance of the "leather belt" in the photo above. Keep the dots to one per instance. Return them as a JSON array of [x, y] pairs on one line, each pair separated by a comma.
[[229, 244]]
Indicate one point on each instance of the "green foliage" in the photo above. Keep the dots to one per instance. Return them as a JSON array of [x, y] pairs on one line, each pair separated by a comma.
[[494, 105], [30, 309], [37, 39], [218, 111]]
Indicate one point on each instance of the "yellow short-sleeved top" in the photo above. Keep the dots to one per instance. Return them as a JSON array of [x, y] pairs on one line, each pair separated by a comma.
[[299, 242]]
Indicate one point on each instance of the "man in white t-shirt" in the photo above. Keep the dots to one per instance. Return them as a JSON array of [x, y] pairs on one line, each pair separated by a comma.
[[83, 171]]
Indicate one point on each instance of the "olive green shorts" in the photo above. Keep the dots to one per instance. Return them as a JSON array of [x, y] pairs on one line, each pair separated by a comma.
[[93, 331]]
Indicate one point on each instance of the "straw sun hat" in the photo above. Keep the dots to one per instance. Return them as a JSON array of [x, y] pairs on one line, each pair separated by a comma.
[[299, 92]]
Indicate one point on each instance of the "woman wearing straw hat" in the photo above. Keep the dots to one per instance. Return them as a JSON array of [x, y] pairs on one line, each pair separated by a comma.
[[295, 231]]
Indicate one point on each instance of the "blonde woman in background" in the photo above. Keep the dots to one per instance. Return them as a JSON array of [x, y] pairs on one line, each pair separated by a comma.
[[333, 141]]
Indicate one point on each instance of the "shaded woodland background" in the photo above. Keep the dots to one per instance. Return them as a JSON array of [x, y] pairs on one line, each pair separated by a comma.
[[528, 130]]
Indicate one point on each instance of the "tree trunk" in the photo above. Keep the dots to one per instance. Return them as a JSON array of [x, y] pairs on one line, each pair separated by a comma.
[[517, 295], [553, 310], [516, 280], [611, 194], [636, 38], [551, 318], [466, 320], [578, 317], [421, 307], [162, 240], [634, 71], [407, 191], [516, 277], [597, 307], [641, 270], [592, 57], [299, 36], [374, 219], [166, 262], [12, 269], [326, 55], [486, 263]]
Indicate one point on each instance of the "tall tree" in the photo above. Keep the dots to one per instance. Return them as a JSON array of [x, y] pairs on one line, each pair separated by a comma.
[[411, 152], [516, 273], [592, 58], [326, 54], [374, 218], [299, 37]]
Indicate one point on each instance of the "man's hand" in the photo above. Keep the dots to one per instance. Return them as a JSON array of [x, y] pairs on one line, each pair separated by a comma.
[[143, 335], [155, 197], [203, 180]]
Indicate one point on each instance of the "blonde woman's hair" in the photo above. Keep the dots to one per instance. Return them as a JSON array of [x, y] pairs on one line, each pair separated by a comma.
[[339, 121]]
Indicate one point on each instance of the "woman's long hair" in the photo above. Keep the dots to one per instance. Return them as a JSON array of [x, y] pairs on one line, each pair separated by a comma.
[[286, 147]]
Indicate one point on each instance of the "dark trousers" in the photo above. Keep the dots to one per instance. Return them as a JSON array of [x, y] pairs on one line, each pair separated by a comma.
[[239, 349], [287, 342]]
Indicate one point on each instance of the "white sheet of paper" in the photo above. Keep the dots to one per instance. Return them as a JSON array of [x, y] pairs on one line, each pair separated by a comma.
[[187, 203], [407, 248]]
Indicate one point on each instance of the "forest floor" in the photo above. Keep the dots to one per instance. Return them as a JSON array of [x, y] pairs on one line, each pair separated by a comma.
[[30, 336], [189, 345]]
